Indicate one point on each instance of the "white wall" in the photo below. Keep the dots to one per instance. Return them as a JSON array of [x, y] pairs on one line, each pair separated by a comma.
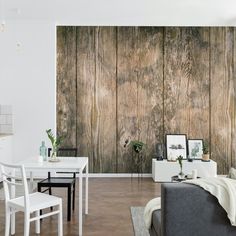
[[27, 82], [27, 75]]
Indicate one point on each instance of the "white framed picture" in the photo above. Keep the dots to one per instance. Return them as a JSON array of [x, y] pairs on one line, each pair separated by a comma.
[[176, 145], [195, 148]]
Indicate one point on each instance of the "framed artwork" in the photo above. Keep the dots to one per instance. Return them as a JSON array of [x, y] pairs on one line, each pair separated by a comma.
[[195, 147], [176, 145]]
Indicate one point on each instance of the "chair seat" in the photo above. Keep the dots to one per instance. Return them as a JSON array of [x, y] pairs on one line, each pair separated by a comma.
[[60, 182], [36, 201], [67, 172], [54, 181]]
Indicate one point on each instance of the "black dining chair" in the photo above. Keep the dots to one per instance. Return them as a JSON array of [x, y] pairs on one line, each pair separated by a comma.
[[61, 182]]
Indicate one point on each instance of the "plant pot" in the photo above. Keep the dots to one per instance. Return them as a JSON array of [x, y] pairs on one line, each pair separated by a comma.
[[205, 157]]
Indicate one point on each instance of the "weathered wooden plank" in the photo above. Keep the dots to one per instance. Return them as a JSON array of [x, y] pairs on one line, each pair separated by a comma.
[[127, 110], [93, 108], [177, 74], [66, 84], [222, 102], [149, 70], [140, 84], [85, 91], [199, 84], [104, 110], [186, 81], [233, 97]]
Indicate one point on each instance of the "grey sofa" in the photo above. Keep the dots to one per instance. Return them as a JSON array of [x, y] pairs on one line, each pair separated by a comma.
[[188, 210]]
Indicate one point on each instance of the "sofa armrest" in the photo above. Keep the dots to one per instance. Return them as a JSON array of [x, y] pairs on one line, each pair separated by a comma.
[[190, 210]]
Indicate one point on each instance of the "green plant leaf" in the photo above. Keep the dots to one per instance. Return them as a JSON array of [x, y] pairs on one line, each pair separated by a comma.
[[55, 141], [137, 145], [205, 148], [50, 136]]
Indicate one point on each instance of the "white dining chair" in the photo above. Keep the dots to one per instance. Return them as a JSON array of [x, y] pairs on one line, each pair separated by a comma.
[[28, 203]]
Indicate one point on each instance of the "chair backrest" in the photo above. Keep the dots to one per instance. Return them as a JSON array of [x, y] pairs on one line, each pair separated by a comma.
[[66, 152], [10, 180]]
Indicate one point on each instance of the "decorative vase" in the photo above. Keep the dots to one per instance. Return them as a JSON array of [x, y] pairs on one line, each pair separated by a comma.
[[53, 156], [181, 175], [43, 151], [159, 155]]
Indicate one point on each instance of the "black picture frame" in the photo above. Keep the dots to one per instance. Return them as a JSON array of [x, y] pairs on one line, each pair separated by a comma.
[[195, 149], [176, 145]]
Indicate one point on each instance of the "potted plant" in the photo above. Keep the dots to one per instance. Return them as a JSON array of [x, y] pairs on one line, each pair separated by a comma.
[[205, 149], [137, 148], [137, 145], [56, 142], [180, 161]]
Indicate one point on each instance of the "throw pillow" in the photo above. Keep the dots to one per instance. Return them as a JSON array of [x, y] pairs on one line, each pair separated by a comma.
[[232, 173]]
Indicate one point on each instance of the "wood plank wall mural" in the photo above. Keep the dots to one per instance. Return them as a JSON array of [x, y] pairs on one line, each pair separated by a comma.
[[144, 82]]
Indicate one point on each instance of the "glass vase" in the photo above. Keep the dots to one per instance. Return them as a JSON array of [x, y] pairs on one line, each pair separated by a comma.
[[181, 174], [53, 156]]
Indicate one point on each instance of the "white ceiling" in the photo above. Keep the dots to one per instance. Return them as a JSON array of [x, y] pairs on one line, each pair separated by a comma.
[[124, 12]]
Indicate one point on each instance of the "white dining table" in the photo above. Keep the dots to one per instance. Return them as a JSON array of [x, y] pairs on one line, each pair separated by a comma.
[[70, 164]]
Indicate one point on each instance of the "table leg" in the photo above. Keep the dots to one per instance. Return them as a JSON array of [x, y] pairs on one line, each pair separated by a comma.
[[13, 215], [80, 201], [86, 191]]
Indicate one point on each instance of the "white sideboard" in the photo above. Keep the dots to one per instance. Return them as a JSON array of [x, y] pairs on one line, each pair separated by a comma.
[[5, 149], [162, 171]]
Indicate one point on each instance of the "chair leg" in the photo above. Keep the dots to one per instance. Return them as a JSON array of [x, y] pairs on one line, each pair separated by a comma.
[[13, 224], [39, 190], [37, 223], [60, 222], [50, 193], [73, 196], [26, 224], [7, 221], [69, 204]]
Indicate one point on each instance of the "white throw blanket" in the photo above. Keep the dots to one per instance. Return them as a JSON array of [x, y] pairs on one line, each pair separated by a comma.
[[151, 206], [224, 189]]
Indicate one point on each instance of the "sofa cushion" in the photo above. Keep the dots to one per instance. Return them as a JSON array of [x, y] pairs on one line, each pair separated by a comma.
[[190, 210], [156, 221]]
